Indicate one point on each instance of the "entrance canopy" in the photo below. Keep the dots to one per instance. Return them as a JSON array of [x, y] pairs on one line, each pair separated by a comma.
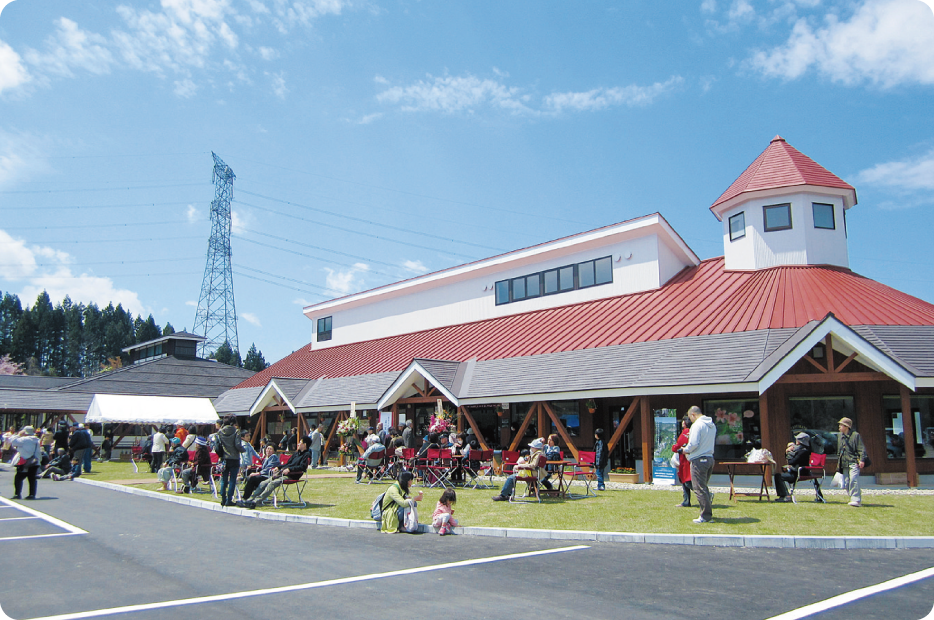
[[150, 410]]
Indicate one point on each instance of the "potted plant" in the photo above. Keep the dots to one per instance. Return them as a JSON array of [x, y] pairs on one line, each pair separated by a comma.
[[624, 474], [591, 405]]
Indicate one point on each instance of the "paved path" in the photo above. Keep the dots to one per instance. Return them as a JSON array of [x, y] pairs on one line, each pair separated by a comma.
[[173, 561]]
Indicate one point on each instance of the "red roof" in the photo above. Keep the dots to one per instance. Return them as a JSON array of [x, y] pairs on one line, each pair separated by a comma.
[[701, 300], [781, 165]]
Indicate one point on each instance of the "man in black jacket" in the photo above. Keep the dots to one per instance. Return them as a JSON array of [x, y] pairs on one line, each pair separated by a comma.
[[293, 469], [79, 443], [798, 454]]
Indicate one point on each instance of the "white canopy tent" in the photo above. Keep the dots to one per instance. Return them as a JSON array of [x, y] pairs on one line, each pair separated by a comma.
[[119, 408]]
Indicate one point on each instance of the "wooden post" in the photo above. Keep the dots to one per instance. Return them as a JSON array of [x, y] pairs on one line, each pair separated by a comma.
[[908, 425], [765, 427], [542, 421], [648, 439], [473, 424], [561, 430], [627, 418]]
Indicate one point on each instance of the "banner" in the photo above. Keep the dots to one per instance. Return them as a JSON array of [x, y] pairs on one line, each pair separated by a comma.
[[666, 433]]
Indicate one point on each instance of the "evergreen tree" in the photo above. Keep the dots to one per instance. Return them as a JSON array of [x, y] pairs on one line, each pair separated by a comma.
[[24, 338], [73, 360], [146, 330], [93, 341], [225, 355], [254, 360], [168, 330], [10, 312]]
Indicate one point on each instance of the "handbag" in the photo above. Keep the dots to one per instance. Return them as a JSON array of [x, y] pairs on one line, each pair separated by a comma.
[[675, 460], [410, 520]]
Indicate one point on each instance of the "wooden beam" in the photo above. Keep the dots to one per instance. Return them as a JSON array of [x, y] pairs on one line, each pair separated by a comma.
[[815, 363], [908, 424], [473, 424], [765, 433], [561, 430], [327, 444], [542, 417], [836, 378], [418, 400], [845, 362], [828, 354], [648, 439], [420, 390], [627, 418], [525, 424]]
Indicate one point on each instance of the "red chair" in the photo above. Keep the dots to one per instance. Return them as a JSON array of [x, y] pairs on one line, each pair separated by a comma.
[[530, 477], [438, 468], [584, 469], [374, 465], [479, 463], [814, 471], [509, 461]]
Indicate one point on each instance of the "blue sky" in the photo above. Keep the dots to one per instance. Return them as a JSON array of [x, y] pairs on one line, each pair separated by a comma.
[[374, 141]]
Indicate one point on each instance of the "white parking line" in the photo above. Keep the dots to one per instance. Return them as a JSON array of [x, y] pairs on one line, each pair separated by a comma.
[[17, 519], [304, 586], [855, 595], [70, 529]]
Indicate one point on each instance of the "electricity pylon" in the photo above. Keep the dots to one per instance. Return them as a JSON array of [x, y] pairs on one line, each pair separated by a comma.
[[216, 318]]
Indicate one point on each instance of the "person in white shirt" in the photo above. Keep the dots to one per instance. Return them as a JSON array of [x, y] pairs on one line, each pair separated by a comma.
[[159, 443], [699, 451]]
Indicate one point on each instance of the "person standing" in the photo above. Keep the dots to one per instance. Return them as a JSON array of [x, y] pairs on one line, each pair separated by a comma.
[[159, 444], [89, 455], [408, 435], [228, 442], [699, 451], [684, 465], [851, 458], [27, 445], [317, 436], [79, 443], [601, 459]]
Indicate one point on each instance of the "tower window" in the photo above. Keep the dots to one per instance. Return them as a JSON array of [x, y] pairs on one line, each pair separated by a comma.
[[823, 215], [738, 226], [324, 329], [777, 217]]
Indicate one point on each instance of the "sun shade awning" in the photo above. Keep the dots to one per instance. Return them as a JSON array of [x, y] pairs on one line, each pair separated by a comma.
[[150, 409]]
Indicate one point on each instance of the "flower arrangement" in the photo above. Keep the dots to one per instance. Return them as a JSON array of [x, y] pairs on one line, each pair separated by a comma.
[[591, 405], [346, 449], [348, 427], [622, 470], [441, 423]]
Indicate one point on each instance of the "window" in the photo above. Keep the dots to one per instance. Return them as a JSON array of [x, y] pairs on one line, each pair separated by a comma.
[[823, 215], [737, 423], [777, 217], [738, 226], [324, 329], [817, 416], [568, 278], [922, 409]]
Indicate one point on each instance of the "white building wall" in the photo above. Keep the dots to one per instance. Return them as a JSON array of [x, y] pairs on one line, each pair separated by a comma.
[[801, 245], [639, 264]]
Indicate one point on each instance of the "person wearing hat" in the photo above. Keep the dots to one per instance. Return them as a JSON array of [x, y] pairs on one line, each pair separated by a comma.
[[79, 443], [27, 460], [373, 444], [535, 462], [798, 454], [198, 467], [851, 458], [601, 459]]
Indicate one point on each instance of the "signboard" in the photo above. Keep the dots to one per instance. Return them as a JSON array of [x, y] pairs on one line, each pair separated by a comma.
[[666, 434], [385, 417]]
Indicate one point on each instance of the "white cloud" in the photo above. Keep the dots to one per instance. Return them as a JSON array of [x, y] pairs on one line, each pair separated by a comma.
[[12, 71], [347, 281], [185, 88], [45, 268], [885, 42], [69, 48], [278, 84], [267, 53], [600, 98], [193, 214], [193, 304], [913, 174], [415, 266], [303, 12], [251, 318], [369, 118], [239, 222], [451, 94], [21, 156]]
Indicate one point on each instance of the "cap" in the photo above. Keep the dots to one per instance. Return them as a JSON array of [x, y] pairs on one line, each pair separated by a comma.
[[537, 444], [803, 438], [846, 422], [29, 430]]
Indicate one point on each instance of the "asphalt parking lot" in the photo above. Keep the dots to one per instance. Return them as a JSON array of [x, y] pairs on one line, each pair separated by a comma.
[[87, 549]]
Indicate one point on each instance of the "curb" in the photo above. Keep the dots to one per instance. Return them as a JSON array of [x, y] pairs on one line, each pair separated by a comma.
[[714, 540]]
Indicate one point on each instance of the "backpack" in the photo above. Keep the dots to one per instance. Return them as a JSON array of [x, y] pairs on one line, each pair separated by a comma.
[[376, 510]]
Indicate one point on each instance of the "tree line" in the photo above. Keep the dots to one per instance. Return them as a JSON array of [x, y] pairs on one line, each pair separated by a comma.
[[77, 340]]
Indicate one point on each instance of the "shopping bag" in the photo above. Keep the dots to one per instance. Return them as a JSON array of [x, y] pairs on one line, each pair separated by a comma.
[[675, 460], [410, 519], [837, 481]]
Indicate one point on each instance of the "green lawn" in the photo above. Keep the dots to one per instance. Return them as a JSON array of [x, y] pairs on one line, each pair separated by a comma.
[[621, 511]]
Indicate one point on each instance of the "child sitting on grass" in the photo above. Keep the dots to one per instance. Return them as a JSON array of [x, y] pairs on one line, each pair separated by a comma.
[[75, 472], [442, 519]]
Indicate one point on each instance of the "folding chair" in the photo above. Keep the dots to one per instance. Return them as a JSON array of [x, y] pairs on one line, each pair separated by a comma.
[[388, 468], [374, 464], [298, 485], [530, 477], [438, 468], [585, 470], [510, 458], [479, 463], [814, 471]]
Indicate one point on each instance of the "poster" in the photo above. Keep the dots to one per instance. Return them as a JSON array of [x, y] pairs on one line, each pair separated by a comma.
[[385, 418], [666, 433]]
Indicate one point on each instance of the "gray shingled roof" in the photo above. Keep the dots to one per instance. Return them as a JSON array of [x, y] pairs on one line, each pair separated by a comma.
[[364, 389], [442, 370], [29, 382], [43, 401], [291, 387], [911, 346], [236, 401]]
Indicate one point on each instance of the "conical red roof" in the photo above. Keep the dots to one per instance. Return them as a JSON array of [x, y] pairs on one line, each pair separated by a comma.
[[781, 165]]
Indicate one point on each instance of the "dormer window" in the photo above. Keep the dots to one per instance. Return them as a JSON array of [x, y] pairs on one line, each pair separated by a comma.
[[777, 217], [738, 226], [823, 215], [324, 329]]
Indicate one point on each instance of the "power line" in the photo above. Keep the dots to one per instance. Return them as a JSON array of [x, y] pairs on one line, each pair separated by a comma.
[[97, 189], [118, 240], [109, 262], [89, 207], [317, 258], [116, 225]]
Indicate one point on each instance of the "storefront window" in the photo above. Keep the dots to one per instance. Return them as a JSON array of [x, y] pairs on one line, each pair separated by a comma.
[[922, 409], [737, 427], [569, 413], [818, 416]]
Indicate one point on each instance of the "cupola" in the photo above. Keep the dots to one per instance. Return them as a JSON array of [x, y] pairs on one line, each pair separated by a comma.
[[785, 209]]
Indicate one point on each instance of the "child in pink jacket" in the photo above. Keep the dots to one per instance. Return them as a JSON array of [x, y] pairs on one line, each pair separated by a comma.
[[442, 519]]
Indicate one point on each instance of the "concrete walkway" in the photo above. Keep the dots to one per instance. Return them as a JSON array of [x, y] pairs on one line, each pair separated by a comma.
[[719, 540]]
